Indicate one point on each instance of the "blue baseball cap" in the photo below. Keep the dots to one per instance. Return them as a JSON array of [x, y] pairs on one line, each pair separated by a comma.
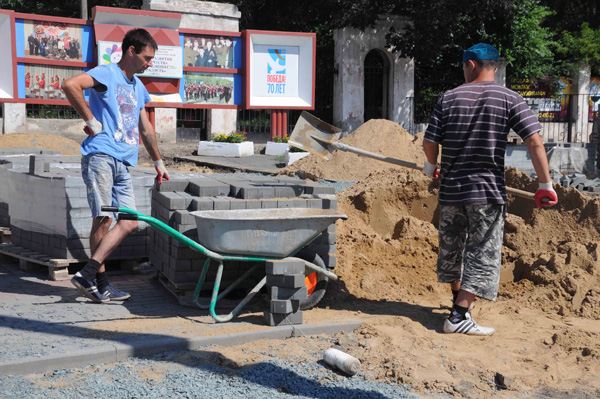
[[481, 51]]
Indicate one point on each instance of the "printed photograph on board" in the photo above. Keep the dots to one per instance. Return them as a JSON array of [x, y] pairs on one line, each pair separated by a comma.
[[44, 81], [52, 40], [208, 51], [208, 88]]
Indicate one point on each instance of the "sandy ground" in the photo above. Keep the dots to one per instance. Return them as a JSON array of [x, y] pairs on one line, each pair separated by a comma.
[[547, 314]]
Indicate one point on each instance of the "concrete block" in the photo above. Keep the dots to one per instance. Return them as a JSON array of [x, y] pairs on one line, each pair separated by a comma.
[[256, 192], [291, 203], [277, 319], [316, 189], [284, 306], [253, 204], [184, 217], [221, 203], [314, 203], [235, 203], [173, 185], [208, 188], [286, 281], [283, 267], [202, 204], [287, 190], [329, 201], [288, 293], [268, 204]]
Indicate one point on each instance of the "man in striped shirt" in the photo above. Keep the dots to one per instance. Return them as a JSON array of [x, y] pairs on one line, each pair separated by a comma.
[[471, 123]]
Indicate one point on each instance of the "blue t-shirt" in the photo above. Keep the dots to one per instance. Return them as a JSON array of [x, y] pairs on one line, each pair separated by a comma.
[[118, 109]]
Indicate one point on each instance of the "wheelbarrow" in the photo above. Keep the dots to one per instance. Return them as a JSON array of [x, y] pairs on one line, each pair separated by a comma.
[[246, 235]]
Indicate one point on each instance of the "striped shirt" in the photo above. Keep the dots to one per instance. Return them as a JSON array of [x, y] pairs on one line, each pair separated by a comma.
[[472, 123]]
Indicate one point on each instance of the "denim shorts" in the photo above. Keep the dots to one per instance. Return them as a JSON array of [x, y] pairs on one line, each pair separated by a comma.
[[108, 183]]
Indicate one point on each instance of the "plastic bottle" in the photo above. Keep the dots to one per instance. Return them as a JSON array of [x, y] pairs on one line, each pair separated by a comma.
[[342, 361]]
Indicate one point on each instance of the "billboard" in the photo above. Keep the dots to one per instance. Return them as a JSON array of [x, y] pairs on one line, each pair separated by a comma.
[[208, 88]]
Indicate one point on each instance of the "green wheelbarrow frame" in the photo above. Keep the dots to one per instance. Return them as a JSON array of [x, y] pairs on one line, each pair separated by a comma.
[[131, 214]]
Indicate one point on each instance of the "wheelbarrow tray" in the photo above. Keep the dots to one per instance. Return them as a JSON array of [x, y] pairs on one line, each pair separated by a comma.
[[273, 233]]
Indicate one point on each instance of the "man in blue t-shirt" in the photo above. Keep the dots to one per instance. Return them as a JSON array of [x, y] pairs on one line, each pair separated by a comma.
[[114, 120], [471, 123]]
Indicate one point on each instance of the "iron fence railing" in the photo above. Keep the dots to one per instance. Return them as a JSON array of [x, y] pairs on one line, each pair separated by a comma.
[[46, 111], [568, 118]]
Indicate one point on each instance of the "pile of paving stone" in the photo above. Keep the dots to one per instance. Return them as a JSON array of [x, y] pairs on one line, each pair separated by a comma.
[[46, 199], [580, 182], [174, 200]]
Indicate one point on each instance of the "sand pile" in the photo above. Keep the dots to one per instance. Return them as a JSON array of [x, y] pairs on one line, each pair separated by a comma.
[[388, 247], [377, 135], [40, 140]]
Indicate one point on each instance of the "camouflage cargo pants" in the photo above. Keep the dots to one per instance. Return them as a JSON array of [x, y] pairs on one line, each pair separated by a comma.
[[470, 247]]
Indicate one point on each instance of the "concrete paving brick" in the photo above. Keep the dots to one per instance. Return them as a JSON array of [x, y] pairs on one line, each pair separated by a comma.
[[288, 293], [184, 217], [256, 192], [202, 204], [286, 281], [283, 267], [173, 185], [269, 204], [235, 203], [284, 306], [253, 204], [287, 190], [208, 188], [221, 203], [279, 319], [291, 203], [314, 203], [317, 189]]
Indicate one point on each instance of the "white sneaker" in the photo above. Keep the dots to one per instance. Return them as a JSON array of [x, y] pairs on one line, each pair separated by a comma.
[[467, 326]]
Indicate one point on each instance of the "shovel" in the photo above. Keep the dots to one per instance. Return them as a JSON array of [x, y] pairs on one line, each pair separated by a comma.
[[320, 138]]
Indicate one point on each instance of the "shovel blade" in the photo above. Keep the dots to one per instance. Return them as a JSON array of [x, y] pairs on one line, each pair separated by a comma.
[[310, 127]]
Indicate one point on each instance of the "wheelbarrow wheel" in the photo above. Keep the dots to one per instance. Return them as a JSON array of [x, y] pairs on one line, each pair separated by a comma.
[[316, 283]]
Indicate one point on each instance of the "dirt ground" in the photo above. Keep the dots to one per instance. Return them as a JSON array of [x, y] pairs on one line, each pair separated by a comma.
[[547, 314]]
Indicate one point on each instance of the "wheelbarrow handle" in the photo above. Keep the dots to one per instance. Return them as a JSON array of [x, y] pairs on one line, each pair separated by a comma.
[[127, 216], [106, 208]]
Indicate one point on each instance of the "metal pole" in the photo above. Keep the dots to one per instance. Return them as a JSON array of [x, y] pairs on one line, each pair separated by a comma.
[[84, 9]]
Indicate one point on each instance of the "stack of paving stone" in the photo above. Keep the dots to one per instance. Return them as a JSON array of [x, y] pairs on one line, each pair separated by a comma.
[[14, 158], [49, 212], [173, 201], [286, 287]]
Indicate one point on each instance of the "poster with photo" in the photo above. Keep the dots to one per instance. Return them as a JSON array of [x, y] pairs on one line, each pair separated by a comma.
[[208, 88], [208, 51], [52, 40], [44, 81]]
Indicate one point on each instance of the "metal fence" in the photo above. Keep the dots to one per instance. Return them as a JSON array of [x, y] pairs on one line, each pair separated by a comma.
[[568, 118], [45, 111]]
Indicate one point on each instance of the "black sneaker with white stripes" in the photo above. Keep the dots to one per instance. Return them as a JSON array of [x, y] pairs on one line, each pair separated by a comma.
[[88, 288], [467, 326], [115, 294]]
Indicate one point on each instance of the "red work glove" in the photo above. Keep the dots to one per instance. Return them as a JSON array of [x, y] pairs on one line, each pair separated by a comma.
[[161, 171], [545, 195], [92, 127], [431, 170]]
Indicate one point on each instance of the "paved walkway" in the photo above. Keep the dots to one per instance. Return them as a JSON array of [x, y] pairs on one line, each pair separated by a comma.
[[47, 325]]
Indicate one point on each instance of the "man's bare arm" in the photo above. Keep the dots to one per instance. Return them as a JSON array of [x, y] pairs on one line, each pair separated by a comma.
[[148, 135], [536, 149], [73, 88]]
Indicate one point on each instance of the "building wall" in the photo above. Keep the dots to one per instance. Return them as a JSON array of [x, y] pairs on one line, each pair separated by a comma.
[[351, 48]]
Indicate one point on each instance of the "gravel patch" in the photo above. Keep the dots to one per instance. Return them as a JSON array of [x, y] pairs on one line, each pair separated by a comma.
[[189, 374]]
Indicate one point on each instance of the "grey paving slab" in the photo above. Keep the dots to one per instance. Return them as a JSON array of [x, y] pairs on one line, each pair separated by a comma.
[[256, 163]]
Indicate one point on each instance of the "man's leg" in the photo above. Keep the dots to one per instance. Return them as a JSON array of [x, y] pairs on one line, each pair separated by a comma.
[[122, 194], [452, 236], [481, 272]]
